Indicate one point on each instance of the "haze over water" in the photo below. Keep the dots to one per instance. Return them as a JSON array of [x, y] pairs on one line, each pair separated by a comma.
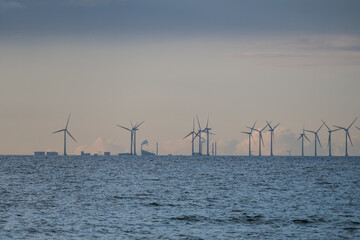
[[178, 197]]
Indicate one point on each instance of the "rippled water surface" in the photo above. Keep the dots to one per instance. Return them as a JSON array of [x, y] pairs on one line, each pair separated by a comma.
[[179, 197]]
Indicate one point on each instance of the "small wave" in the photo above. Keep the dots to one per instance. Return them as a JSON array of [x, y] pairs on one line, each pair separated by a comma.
[[351, 229], [123, 197], [153, 204], [301, 221], [191, 218], [188, 237], [311, 219]]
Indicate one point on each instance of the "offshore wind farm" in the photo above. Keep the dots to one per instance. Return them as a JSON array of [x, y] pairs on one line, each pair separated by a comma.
[[204, 119], [197, 134]]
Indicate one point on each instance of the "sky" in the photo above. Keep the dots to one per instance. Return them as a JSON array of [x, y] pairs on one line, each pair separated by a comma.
[[110, 62]]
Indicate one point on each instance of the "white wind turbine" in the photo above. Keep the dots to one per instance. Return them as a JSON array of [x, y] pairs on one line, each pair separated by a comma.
[[250, 136], [302, 136], [260, 137], [192, 133], [65, 132], [272, 137], [207, 131], [133, 135], [330, 132], [136, 128], [199, 135], [316, 136], [347, 135]]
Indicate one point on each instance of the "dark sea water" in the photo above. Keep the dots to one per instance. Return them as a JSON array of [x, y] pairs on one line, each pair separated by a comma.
[[179, 197]]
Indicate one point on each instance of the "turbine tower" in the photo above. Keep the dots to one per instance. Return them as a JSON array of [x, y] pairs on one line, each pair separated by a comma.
[[250, 136], [207, 131], [192, 137], [329, 140], [260, 137], [347, 135], [272, 137], [65, 132], [302, 136], [316, 136], [199, 135]]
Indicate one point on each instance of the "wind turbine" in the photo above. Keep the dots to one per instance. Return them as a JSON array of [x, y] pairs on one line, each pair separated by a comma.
[[66, 132], [200, 138], [260, 137], [329, 140], [136, 128], [133, 136], [317, 139], [250, 136], [207, 131], [271, 136], [302, 136], [192, 137], [347, 135]]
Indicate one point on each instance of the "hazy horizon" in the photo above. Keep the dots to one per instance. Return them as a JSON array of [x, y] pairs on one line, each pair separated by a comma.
[[111, 62]]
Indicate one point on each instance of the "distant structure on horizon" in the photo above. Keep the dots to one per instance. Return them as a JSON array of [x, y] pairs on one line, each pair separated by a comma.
[[52, 154], [39, 153]]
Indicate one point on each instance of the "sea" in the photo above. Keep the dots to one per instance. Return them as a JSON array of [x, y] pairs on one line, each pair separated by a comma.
[[179, 197]]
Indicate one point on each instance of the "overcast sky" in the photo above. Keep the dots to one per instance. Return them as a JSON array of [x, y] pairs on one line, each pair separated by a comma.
[[164, 61]]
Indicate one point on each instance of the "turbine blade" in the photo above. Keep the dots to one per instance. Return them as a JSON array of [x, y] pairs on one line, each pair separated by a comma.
[[262, 140], [320, 128], [207, 122], [268, 125], [352, 123], [254, 125], [307, 138], [71, 135], [317, 137], [198, 121], [131, 124], [358, 128], [67, 123], [276, 126], [339, 127], [187, 135], [299, 137], [195, 136], [326, 125], [124, 128], [263, 128], [59, 131], [246, 133], [348, 134], [193, 124], [136, 126]]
